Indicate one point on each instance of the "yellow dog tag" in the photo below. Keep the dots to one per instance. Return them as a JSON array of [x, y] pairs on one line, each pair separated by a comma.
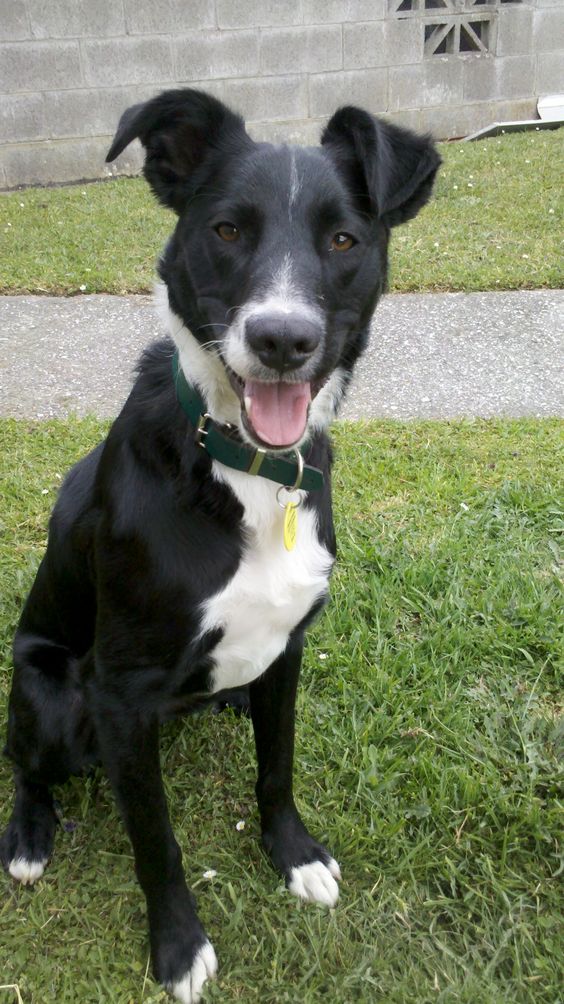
[[290, 525]]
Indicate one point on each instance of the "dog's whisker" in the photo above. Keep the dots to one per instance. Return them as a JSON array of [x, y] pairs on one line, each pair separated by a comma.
[[207, 345]]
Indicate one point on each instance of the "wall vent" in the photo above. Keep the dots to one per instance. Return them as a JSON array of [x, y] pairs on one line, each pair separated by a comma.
[[453, 27], [401, 8]]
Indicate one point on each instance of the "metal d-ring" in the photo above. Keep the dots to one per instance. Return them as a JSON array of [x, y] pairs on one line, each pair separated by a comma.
[[295, 487], [300, 474]]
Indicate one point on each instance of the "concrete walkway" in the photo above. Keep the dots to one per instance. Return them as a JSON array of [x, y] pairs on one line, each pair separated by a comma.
[[430, 356]]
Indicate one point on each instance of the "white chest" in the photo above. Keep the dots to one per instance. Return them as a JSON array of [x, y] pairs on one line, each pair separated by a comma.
[[272, 590]]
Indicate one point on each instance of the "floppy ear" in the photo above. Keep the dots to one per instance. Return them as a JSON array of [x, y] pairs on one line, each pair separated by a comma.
[[392, 167], [179, 130]]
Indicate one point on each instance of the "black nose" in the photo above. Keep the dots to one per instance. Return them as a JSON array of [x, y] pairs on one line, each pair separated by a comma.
[[282, 341]]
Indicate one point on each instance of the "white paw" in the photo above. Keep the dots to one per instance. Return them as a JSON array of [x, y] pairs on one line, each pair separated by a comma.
[[26, 872], [204, 967], [316, 882]]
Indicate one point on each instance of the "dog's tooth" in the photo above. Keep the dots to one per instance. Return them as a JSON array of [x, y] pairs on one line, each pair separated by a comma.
[[248, 402]]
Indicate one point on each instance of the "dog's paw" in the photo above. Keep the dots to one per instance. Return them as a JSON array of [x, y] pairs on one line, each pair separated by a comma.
[[26, 872], [27, 843], [204, 967], [316, 882]]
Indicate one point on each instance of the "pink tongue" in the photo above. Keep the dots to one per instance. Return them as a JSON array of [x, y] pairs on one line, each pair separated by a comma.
[[277, 411]]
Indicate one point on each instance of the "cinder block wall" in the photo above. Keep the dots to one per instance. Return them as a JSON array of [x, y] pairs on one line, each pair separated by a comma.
[[68, 68]]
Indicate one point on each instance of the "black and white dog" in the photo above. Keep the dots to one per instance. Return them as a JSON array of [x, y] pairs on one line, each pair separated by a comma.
[[178, 567]]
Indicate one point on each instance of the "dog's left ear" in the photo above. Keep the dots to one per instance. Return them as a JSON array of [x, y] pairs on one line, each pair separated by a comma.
[[394, 167], [180, 130]]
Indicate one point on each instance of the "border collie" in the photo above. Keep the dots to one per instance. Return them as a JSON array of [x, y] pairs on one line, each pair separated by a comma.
[[189, 551]]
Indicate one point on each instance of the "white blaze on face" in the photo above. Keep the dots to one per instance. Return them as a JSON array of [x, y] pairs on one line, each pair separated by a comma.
[[295, 184], [283, 298]]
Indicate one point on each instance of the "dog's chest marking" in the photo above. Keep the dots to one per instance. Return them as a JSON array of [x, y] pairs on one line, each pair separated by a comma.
[[272, 590]]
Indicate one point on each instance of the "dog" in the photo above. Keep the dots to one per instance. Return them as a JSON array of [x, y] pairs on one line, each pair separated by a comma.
[[189, 551]]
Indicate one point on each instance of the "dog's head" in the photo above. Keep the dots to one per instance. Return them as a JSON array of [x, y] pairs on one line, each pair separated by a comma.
[[279, 255]]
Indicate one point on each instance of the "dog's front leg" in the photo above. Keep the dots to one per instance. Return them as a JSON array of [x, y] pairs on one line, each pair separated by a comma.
[[310, 871], [183, 958]]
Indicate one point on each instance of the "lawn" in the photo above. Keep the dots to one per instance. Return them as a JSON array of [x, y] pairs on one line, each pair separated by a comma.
[[495, 223], [426, 752]]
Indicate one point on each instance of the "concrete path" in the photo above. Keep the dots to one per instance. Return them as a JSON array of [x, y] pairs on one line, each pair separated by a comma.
[[430, 356]]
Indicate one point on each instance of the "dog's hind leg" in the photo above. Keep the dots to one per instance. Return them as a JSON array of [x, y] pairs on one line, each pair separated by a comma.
[[27, 842], [49, 738]]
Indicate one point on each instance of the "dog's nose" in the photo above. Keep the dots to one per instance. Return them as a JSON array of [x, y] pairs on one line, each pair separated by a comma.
[[282, 342]]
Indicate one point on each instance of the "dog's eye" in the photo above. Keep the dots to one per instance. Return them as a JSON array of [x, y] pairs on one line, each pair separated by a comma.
[[227, 231], [342, 242]]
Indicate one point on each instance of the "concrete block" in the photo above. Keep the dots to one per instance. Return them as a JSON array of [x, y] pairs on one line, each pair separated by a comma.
[[161, 16], [139, 60], [257, 13], [21, 117], [444, 122], [514, 31], [440, 121], [512, 111], [88, 112], [365, 44], [550, 73], [366, 88], [14, 21], [457, 121], [303, 132], [37, 66], [382, 43], [461, 120], [489, 79], [79, 18], [340, 11], [301, 50], [432, 82], [200, 55], [548, 33], [262, 99], [66, 160]]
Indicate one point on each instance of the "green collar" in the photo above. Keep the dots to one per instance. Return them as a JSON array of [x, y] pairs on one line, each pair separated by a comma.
[[223, 443]]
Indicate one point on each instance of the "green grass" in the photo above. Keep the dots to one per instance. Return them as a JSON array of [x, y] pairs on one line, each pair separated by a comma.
[[426, 750], [494, 224]]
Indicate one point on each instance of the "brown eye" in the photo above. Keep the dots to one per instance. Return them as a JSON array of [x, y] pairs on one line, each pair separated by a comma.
[[342, 242], [227, 232]]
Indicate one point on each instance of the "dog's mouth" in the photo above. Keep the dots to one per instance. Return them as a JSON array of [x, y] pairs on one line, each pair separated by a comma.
[[274, 414]]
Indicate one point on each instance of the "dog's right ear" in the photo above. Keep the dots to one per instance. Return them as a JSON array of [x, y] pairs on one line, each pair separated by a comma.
[[180, 130]]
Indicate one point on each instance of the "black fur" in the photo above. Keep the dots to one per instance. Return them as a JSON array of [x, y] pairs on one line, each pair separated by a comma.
[[142, 534]]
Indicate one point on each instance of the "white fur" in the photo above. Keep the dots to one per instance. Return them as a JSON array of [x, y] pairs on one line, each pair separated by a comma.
[[283, 296], [204, 967], [316, 882], [295, 184], [27, 872], [272, 589], [202, 367], [325, 404]]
